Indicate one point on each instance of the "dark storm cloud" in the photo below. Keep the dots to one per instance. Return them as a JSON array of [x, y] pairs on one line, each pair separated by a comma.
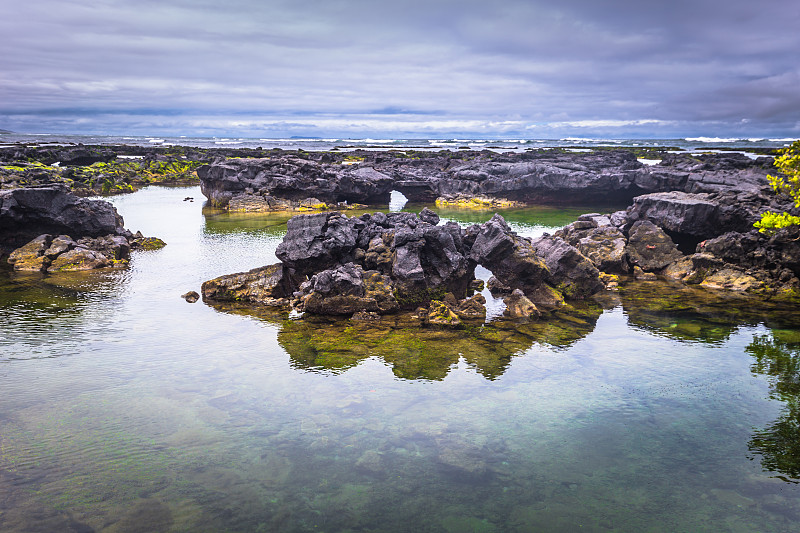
[[328, 67]]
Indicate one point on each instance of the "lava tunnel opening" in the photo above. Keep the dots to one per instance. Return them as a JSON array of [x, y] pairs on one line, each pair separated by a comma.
[[687, 244]]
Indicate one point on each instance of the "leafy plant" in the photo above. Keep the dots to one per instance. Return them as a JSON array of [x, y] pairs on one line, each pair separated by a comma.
[[788, 183]]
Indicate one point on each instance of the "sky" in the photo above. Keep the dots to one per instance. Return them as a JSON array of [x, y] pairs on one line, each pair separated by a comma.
[[402, 69]]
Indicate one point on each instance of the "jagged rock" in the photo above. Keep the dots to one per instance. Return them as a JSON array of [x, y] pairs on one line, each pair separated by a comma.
[[611, 281], [59, 245], [753, 262], [605, 248], [293, 178], [471, 308], [347, 289], [431, 258], [679, 212], [422, 259], [535, 177], [519, 306], [378, 255], [569, 270], [317, 242], [115, 247], [512, 260], [426, 215], [497, 287], [780, 250], [440, 314], [31, 257], [62, 253], [679, 269], [641, 275], [27, 213], [79, 259], [476, 285], [270, 285], [649, 247], [619, 219], [600, 241]]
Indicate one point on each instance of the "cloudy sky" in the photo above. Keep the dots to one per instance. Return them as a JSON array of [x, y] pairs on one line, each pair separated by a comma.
[[351, 68]]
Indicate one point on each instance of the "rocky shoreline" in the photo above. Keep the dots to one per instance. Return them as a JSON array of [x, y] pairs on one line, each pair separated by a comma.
[[49, 229], [539, 177], [690, 219]]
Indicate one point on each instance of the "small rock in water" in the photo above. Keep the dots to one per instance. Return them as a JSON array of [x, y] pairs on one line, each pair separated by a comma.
[[641, 275], [367, 316], [519, 306], [191, 297]]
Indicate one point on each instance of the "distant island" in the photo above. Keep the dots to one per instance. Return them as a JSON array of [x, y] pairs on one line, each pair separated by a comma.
[[5, 132]]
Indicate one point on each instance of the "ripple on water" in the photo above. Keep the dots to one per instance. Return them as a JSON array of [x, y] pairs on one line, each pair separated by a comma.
[[125, 408]]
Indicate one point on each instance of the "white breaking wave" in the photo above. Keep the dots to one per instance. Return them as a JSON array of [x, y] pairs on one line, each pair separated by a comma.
[[712, 140]]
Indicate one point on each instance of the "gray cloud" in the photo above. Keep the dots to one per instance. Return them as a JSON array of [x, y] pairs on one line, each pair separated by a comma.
[[351, 67]]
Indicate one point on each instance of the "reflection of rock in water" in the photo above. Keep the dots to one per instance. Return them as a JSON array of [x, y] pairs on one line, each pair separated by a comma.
[[694, 314], [37, 308], [777, 356], [415, 352], [697, 314]]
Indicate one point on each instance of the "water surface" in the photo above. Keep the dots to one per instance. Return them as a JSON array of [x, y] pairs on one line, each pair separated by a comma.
[[123, 408]]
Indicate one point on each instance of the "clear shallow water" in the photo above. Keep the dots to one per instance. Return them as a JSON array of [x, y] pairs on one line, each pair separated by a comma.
[[123, 408]]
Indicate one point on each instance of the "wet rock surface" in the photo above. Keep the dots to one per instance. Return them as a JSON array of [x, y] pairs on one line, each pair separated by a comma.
[[27, 213], [680, 207], [49, 229], [642, 244], [381, 263], [270, 285], [480, 178]]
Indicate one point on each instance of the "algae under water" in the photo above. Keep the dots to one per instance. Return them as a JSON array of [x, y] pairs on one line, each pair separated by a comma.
[[123, 408]]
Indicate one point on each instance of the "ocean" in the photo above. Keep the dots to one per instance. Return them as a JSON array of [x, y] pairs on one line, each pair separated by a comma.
[[324, 144]]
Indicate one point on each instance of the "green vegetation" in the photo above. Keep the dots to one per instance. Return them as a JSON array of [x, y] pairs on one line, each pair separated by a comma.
[[778, 445], [786, 183], [116, 176], [126, 175]]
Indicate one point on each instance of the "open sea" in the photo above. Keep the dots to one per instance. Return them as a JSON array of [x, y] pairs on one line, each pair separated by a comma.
[[316, 144]]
